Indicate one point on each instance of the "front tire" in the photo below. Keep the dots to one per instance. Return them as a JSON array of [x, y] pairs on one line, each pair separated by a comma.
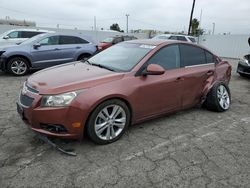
[[108, 121], [83, 57], [18, 66], [218, 98]]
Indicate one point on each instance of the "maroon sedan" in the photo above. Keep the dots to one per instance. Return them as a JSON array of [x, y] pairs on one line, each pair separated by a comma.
[[126, 84]]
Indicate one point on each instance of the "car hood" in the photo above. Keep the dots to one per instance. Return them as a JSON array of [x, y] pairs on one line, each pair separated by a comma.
[[12, 47], [5, 45], [70, 77], [102, 44]]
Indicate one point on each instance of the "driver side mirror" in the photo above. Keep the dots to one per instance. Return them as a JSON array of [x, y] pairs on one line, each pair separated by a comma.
[[153, 69], [6, 37], [37, 45]]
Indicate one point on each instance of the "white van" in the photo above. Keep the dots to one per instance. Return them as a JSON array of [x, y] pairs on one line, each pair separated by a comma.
[[17, 36]]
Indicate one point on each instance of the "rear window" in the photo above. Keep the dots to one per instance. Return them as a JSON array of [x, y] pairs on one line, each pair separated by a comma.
[[192, 55], [71, 40], [29, 34], [209, 57]]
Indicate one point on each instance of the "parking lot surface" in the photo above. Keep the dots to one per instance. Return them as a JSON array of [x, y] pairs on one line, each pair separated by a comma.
[[192, 148]]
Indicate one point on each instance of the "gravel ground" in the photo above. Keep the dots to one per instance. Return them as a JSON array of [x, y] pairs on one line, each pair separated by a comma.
[[193, 148]]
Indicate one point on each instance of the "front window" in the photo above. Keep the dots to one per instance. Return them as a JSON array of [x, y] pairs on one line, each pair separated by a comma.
[[53, 40], [122, 57], [13, 35]]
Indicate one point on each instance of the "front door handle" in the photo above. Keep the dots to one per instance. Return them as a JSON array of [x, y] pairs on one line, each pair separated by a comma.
[[56, 49], [179, 79]]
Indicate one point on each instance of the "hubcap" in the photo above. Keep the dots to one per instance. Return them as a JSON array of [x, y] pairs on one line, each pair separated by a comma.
[[18, 67], [223, 97], [110, 122]]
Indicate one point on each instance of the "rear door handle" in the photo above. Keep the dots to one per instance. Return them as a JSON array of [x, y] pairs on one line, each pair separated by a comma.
[[78, 47], [56, 49], [209, 73], [179, 79]]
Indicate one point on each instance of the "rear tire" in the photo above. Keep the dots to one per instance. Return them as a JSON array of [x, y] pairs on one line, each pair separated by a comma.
[[108, 121], [219, 98], [18, 66]]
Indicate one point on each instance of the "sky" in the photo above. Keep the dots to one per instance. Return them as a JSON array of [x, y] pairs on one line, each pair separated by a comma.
[[228, 16]]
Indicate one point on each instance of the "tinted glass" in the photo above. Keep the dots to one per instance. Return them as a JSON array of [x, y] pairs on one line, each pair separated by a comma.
[[209, 57], [181, 38], [79, 40], [29, 34], [14, 34], [53, 40], [117, 40], [192, 39], [71, 40], [173, 38], [168, 57], [66, 40], [191, 55], [126, 38], [121, 57]]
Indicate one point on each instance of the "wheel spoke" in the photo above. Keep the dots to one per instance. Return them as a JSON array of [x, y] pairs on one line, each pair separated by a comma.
[[108, 133], [101, 125], [101, 130], [106, 113], [116, 111], [112, 132], [101, 115]]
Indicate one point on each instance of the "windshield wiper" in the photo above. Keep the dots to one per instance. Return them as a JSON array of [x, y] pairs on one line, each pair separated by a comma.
[[103, 66]]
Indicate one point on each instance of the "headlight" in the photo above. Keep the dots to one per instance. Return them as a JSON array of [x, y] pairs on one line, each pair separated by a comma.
[[58, 100], [245, 61]]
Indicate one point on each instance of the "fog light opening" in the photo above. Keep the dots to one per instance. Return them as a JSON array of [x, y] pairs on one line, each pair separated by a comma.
[[54, 128]]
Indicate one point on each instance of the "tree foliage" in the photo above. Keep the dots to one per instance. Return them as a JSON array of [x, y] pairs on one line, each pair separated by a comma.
[[115, 27], [194, 27]]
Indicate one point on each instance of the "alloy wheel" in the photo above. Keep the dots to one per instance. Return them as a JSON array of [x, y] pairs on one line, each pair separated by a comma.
[[223, 97], [18, 67], [110, 122]]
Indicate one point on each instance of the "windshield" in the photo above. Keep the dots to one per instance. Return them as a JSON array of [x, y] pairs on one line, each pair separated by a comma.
[[32, 39], [108, 40], [121, 57]]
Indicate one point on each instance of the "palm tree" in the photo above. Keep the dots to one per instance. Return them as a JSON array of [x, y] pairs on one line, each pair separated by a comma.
[[194, 27]]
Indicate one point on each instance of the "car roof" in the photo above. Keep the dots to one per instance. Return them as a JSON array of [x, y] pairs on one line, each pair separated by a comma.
[[154, 42], [86, 37], [157, 42], [34, 30]]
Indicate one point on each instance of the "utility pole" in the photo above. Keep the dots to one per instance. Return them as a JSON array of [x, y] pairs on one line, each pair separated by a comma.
[[200, 19], [213, 28], [191, 18], [127, 15], [94, 23]]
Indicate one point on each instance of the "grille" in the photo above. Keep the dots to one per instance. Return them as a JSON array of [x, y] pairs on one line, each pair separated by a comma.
[[26, 100]]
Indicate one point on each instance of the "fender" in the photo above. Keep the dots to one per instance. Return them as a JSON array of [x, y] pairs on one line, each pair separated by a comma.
[[222, 66]]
